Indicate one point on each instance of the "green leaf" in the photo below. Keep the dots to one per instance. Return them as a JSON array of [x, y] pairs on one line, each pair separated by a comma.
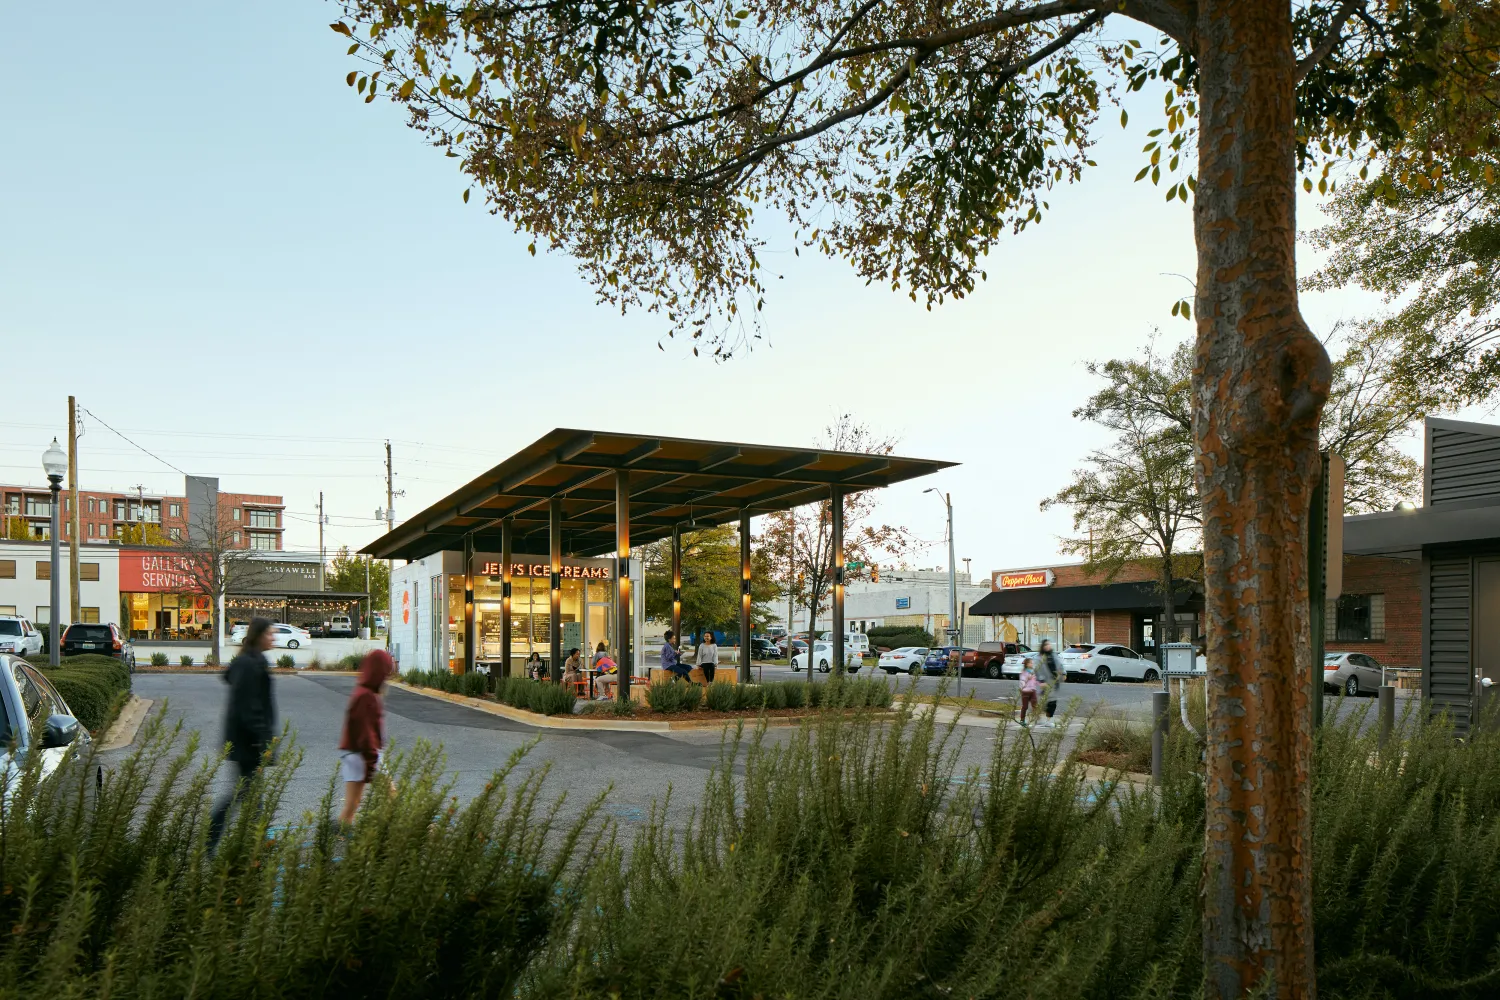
[[466, 201], [341, 28], [1144, 171], [1124, 117], [406, 89], [353, 75]]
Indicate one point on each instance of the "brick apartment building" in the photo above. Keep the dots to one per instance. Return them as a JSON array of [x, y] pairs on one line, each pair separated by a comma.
[[252, 520]]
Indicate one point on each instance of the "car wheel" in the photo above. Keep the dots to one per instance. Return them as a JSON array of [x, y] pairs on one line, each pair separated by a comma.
[[822, 666], [1152, 675], [1351, 686], [1101, 676], [915, 670], [292, 644], [993, 671], [796, 669]]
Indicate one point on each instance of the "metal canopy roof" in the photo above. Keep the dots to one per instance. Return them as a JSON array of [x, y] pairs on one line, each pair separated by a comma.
[[673, 481]]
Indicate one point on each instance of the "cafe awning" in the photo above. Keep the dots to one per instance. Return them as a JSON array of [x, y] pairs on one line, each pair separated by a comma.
[[672, 482]]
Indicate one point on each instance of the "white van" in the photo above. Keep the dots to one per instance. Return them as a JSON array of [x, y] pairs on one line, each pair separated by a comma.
[[856, 642]]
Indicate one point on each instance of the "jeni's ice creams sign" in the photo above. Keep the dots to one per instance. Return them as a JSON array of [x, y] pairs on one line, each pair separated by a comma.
[[1020, 581]]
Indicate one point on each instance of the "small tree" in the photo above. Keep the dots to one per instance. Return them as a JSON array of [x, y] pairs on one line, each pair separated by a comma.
[[1138, 498], [710, 580], [144, 533], [801, 540], [215, 562], [346, 572]]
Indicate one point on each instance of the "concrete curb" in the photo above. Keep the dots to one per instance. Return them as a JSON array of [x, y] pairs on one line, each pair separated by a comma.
[[125, 728], [575, 722]]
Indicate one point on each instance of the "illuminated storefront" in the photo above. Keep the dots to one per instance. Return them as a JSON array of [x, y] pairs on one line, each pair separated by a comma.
[[427, 641], [161, 597]]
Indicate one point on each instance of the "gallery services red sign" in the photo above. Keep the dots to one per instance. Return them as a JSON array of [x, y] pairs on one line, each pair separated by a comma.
[[157, 573], [1020, 581]]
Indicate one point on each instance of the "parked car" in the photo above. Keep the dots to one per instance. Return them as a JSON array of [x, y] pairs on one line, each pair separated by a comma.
[[903, 660], [19, 636], [339, 626], [798, 645], [28, 699], [993, 659], [852, 640], [764, 647], [381, 621], [940, 659], [823, 654], [289, 636], [1102, 663], [102, 639], [1353, 673]]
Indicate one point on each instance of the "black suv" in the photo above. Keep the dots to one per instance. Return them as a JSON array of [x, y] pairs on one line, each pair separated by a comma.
[[103, 640]]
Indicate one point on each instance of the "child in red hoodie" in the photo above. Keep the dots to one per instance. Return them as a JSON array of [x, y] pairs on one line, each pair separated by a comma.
[[364, 729]]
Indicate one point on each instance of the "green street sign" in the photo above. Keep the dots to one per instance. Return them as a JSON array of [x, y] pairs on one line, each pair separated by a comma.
[[854, 565]]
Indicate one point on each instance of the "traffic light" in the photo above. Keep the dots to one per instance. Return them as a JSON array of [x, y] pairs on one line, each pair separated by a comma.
[[874, 574]]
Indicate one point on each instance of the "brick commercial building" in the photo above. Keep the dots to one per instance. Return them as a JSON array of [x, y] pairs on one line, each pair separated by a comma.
[[1420, 590], [253, 520]]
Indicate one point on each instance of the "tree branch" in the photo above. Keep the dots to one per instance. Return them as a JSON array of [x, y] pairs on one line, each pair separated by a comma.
[[1331, 40]]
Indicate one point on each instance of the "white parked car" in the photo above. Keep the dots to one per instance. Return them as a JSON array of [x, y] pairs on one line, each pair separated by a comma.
[[903, 660], [823, 654], [289, 636], [1102, 663], [19, 636], [27, 700]]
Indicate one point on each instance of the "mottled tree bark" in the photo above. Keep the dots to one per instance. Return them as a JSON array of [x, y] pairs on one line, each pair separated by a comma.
[[1260, 379]]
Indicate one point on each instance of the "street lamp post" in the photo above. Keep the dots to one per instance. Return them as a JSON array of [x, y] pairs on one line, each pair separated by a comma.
[[55, 464], [947, 499]]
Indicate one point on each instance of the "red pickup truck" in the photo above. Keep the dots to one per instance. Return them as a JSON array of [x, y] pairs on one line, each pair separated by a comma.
[[996, 659]]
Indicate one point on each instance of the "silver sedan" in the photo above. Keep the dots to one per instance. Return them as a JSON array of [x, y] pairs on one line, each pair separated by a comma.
[[1352, 673]]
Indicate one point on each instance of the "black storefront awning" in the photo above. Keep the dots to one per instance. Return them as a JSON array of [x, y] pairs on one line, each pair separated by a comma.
[[1105, 597]]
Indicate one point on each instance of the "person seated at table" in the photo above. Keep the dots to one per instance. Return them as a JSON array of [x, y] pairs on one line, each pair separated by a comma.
[[572, 669], [608, 680], [535, 668], [671, 660]]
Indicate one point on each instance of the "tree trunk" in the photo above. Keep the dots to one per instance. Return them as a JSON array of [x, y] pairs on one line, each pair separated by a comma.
[[1259, 383]]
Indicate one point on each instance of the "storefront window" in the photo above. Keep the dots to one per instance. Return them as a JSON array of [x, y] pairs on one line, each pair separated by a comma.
[[168, 616], [587, 614]]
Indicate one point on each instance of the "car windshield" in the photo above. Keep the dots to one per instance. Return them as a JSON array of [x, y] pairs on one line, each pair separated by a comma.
[[1332, 657], [87, 633]]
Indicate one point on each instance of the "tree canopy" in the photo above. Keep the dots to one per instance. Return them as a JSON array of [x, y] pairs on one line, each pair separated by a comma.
[[710, 580], [346, 574], [644, 138]]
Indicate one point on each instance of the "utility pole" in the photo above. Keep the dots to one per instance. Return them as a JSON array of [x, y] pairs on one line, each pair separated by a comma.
[[74, 529], [322, 555], [390, 491]]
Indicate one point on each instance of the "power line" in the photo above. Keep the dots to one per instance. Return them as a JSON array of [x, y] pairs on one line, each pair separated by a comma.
[[122, 437]]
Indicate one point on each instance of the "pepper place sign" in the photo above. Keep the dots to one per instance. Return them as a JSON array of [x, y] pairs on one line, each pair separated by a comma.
[[1021, 581]]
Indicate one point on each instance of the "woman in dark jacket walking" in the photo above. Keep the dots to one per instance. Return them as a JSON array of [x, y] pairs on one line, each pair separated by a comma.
[[364, 729], [250, 720]]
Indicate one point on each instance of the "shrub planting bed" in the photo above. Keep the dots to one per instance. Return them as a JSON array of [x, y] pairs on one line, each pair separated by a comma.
[[95, 687], [518, 692], [854, 860]]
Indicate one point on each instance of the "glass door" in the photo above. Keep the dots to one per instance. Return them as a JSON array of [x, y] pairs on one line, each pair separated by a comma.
[[596, 627]]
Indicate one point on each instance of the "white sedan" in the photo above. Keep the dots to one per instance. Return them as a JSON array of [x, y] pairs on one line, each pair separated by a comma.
[[903, 659], [824, 653], [1102, 663], [289, 636]]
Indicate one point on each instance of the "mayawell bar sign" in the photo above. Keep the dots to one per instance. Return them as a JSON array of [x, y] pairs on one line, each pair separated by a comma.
[[1021, 581]]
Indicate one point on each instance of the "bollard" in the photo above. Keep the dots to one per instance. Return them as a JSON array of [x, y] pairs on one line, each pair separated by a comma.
[[1161, 705], [1387, 712]]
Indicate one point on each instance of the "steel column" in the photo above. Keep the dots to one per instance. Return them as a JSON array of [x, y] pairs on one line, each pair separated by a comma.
[[676, 579], [836, 505], [507, 540], [468, 667], [554, 535], [1387, 712], [744, 597], [623, 621], [1161, 715]]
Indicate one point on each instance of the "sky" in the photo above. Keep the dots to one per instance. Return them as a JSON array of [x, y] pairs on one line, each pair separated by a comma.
[[247, 272]]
